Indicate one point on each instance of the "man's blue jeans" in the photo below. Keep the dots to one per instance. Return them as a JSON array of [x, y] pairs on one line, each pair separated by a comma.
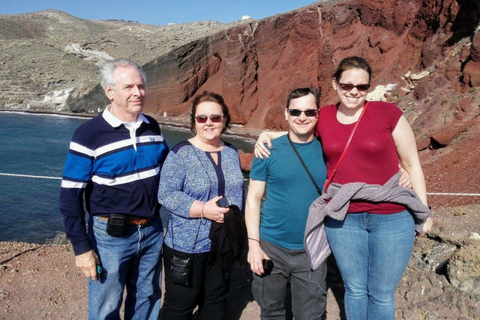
[[132, 261], [372, 252]]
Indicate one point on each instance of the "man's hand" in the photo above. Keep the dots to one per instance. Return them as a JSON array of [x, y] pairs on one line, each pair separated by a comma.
[[255, 257], [87, 262]]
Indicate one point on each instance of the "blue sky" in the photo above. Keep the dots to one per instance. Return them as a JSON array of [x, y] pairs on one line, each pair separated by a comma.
[[158, 12]]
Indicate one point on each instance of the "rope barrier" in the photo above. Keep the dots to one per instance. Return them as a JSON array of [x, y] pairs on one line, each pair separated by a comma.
[[58, 178], [453, 194], [28, 176]]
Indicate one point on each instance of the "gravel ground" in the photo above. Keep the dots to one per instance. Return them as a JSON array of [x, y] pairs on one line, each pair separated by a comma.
[[41, 281]]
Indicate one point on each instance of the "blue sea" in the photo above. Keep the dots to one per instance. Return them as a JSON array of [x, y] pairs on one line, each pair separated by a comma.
[[33, 149]]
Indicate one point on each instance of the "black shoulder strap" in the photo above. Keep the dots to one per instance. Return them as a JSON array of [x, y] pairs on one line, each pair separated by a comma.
[[304, 166]]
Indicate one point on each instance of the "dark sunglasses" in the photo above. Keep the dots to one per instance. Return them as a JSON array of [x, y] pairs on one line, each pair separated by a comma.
[[308, 113], [214, 118], [349, 86]]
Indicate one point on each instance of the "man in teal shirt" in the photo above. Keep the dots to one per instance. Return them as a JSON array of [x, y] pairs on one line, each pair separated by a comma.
[[276, 223]]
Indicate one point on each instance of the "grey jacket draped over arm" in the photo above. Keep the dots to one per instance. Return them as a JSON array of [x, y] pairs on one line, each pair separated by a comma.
[[335, 202]]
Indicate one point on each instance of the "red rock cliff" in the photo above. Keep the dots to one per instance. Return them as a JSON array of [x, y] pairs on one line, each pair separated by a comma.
[[428, 50], [255, 67]]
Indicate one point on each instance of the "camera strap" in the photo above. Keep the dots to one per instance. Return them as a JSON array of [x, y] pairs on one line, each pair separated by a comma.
[[304, 166]]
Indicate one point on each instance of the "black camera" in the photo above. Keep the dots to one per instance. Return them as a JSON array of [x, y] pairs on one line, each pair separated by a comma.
[[224, 202]]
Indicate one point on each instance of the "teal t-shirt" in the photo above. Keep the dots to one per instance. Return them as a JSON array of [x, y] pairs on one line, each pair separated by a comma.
[[289, 190]]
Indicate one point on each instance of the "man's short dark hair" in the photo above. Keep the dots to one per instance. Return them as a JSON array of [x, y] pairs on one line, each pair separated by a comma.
[[301, 92]]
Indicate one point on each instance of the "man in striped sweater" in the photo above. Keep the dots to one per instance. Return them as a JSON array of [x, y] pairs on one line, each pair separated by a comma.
[[112, 169]]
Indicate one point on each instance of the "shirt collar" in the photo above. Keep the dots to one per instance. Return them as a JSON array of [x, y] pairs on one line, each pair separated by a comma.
[[115, 122]]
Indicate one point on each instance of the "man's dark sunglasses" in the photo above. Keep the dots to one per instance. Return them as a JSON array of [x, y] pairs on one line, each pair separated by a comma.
[[308, 113], [214, 118], [349, 86]]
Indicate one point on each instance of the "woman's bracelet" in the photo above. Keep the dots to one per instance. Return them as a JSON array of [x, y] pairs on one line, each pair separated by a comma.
[[254, 239], [201, 215]]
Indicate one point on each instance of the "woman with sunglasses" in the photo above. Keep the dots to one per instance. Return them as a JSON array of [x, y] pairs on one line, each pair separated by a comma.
[[372, 245], [198, 173]]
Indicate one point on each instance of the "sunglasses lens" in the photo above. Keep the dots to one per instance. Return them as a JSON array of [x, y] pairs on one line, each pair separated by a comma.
[[216, 118], [294, 112], [346, 86], [363, 87], [310, 113], [201, 119]]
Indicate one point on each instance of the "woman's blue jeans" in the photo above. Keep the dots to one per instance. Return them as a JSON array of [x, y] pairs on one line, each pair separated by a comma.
[[372, 252]]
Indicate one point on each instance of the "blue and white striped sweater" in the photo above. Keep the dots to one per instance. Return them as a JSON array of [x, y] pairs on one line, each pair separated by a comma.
[[115, 173], [188, 175]]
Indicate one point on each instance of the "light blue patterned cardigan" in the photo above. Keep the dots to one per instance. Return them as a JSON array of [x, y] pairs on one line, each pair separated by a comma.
[[188, 174]]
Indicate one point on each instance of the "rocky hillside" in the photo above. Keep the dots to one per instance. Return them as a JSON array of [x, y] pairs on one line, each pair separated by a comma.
[[49, 56]]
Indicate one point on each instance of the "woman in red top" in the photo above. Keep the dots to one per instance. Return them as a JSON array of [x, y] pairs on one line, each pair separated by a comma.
[[373, 244]]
